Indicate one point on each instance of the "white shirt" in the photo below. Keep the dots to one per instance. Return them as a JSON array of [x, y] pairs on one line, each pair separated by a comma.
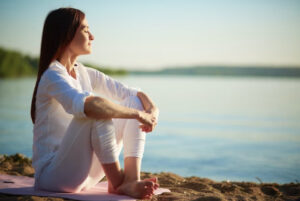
[[59, 98]]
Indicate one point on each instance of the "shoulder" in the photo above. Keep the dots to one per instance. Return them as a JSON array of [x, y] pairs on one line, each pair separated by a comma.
[[51, 75], [54, 72]]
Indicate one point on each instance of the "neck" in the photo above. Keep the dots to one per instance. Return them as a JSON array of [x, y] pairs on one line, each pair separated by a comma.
[[68, 60]]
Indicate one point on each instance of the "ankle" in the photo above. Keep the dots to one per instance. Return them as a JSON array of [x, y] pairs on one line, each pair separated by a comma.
[[128, 179]]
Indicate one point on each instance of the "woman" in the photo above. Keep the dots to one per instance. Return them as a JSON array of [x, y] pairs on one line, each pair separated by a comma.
[[78, 136]]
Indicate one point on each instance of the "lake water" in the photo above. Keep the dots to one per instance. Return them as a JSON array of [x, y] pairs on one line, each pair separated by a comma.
[[223, 128]]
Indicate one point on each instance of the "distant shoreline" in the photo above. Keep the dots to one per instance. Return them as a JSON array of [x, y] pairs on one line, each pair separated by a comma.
[[226, 71]]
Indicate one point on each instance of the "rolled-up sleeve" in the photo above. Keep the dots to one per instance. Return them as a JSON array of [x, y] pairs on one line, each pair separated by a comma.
[[109, 87], [59, 87]]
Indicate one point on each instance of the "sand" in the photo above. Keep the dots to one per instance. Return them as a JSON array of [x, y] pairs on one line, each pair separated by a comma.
[[183, 188]]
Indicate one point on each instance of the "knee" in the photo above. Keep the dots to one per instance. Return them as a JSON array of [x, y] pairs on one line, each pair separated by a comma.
[[133, 102]]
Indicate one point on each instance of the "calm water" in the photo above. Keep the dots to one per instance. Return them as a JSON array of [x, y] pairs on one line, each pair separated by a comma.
[[221, 128]]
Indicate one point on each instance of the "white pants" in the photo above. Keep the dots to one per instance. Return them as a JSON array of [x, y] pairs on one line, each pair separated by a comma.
[[77, 163]]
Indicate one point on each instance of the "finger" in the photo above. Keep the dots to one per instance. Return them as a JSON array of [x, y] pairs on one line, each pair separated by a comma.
[[142, 128], [145, 128]]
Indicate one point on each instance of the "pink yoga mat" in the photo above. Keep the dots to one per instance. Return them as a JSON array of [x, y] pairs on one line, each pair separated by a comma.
[[21, 185]]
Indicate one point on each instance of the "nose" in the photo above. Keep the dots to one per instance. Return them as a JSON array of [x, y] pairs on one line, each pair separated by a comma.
[[91, 37]]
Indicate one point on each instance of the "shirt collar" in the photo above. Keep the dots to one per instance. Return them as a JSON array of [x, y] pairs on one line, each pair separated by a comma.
[[58, 64]]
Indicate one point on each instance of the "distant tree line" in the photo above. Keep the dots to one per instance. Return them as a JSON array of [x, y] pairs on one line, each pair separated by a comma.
[[14, 64]]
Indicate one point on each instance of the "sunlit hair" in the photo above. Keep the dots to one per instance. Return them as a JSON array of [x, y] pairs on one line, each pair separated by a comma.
[[59, 30]]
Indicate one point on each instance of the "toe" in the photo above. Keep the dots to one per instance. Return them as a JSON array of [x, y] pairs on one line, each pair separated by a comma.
[[150, 190], [150, 184], [155, 181]]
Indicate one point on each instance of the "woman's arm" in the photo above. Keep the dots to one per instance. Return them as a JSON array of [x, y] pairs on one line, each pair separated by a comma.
[[99, 108]]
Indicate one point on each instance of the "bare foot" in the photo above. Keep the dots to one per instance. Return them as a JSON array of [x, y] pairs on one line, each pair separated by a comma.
[[138, 189]]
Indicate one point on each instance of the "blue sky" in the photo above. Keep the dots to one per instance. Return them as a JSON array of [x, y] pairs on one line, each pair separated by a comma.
[[140, 34]]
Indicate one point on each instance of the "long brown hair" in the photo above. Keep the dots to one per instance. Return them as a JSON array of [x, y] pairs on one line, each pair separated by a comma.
[[59, 30]]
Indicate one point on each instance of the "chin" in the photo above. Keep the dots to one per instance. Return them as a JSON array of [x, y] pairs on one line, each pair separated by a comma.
[[87, 52]]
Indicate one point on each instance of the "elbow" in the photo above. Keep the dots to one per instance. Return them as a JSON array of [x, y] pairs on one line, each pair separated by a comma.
[[88, 104]]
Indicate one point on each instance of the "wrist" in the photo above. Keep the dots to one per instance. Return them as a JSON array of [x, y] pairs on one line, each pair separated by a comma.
[[137, 114]]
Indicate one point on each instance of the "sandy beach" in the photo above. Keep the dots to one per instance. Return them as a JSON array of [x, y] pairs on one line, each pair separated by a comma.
[[182, 188]]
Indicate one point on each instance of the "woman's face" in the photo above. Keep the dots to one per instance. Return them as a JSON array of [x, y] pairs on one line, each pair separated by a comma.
[[82, 41]]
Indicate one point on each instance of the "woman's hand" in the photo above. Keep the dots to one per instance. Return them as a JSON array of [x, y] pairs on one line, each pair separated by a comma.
[[148, 120], [150, 109]]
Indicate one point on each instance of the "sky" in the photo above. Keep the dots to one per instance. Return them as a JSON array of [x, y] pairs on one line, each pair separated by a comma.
[[155, 34]]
